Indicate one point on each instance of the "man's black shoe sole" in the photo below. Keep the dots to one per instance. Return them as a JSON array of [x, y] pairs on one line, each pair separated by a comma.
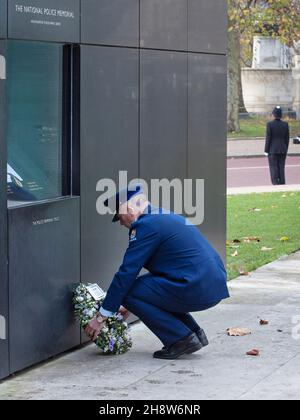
[[200, 346], [202, 338], [204, 342], [192, 349]]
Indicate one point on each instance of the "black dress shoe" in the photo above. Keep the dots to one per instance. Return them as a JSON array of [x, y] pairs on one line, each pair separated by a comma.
[[188, 345], [202, 337]]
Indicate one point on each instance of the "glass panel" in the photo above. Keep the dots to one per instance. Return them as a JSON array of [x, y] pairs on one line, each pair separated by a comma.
[[34, 121]]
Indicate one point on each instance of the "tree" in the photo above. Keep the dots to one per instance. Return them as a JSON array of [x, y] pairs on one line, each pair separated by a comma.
[[276, 18], [233, 74]]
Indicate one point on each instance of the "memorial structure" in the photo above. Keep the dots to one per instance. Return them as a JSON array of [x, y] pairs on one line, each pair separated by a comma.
[[87, 89]]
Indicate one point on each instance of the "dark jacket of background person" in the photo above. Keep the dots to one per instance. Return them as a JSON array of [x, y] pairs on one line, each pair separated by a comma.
[[278, 137]]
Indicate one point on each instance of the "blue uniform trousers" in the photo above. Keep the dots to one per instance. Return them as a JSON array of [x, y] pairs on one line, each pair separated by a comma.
[[164, 313]]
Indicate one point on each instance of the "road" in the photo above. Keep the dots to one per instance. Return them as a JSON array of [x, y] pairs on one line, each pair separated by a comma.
[[251, 172]]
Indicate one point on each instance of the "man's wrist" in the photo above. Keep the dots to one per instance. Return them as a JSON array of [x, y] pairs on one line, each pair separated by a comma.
[[100, 318]]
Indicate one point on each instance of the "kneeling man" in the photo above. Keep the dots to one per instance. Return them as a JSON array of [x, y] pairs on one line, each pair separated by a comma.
[[185, 274]]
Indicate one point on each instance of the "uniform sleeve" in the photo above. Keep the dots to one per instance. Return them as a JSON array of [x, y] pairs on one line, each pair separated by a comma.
[[140, 249], [106, 313], [268, 138]]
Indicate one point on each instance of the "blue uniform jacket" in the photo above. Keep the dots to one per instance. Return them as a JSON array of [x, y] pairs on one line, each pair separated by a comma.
[[175, 251]]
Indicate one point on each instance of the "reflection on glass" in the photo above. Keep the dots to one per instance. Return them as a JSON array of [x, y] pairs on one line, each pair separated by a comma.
[[34, 123]]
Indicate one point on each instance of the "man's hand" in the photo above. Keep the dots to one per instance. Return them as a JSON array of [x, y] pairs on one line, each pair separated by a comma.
[[124, 312], [93, 329]]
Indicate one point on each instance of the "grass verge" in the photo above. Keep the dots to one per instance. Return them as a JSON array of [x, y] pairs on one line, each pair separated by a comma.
[[261, 228], [256, 127]]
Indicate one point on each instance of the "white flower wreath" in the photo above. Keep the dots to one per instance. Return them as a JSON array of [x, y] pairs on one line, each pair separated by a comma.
[[114, 338]]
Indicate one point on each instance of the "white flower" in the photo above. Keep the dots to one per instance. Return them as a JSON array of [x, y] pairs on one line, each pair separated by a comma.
[[115, 330]]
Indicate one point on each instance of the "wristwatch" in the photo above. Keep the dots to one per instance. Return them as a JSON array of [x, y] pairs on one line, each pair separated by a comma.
[[101, 319]]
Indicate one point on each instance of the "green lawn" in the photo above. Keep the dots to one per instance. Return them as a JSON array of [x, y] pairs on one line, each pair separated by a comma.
[[256, 127], [270, 217]]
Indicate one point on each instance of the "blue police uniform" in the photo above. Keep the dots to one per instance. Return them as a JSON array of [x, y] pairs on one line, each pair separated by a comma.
[[186, 274]]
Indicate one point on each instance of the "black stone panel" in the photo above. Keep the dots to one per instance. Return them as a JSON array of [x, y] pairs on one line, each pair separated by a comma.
[[207, 26], [163, 115], [207, 140], [4, 360], [164, 24], [109, 144], [44, 20], [110, 22], [44, 266], [3, 18]]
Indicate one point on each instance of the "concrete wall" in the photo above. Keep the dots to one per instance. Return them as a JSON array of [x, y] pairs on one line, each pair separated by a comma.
[[149, 96], [296, 77], [263, 89], [270, 53]]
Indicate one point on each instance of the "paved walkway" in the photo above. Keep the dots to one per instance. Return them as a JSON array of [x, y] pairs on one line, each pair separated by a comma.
[[253, 147], [220, 371], [263, 189]]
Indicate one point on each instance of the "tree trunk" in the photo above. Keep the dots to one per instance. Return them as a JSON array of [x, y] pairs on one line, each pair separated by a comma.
[[234, 74], [242, 107]]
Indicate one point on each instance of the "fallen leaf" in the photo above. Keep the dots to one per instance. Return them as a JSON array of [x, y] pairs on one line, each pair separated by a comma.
[[265, 249], [238, 332], [235, 254], [248, 239], [280, 331], [283, 196], [263, 322], [284, 239], [255, 209], [244, 273], [253, 352]]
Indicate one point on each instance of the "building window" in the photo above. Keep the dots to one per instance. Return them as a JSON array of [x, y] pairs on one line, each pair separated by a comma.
[[36, 122]]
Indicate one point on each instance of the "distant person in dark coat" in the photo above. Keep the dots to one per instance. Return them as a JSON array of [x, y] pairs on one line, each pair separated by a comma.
[[277, 144]]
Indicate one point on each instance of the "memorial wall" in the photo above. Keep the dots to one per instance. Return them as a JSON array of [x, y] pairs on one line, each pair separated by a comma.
[[87, 89]]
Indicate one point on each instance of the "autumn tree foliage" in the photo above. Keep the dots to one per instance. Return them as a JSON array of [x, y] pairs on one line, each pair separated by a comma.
[[246, 18]]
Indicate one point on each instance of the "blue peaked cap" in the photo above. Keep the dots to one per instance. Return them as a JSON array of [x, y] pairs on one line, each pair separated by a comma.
[[122, 197]]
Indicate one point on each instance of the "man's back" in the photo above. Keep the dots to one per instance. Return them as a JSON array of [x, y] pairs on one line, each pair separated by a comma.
[[184, 258], [278, 137], [181, 245]]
